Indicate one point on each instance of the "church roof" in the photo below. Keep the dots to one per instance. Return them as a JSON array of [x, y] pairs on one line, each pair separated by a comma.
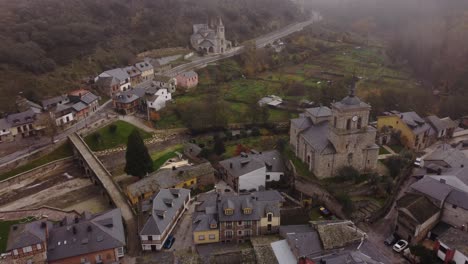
[[317, 137], [321, 111], [351, 101]]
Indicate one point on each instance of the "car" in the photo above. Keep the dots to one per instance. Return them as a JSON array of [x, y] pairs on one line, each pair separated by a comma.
[[391, 239], [169, 242], [419, 162], [324, 211], [400, 245]]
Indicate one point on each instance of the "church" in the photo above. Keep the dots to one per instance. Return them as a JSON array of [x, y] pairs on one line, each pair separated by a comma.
[[328, 139], [210, 38]]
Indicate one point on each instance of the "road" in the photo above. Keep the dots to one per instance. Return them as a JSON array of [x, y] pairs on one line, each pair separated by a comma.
[[260, 42], [44, 142], [183, 230]]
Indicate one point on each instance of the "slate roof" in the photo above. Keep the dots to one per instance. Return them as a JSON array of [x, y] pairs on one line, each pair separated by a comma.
[[321, 111], [305, 243], [18, 119], [456, 239], [126, 97], [156, 225], [317, 137], [192, 149], [454, 176], [79, 106], [144, 66], [241, 165], [202, 221], [88, 98], [162, 78], [92, 233], [259, 210], [54, 100], [350, 102], [4, 124], [446, 155], [440, 124], [132, 71], [28, 234], [301, 122], [189, 74], [432, 188], [417, 206], [117, 73], [413, 121], [458, 198]]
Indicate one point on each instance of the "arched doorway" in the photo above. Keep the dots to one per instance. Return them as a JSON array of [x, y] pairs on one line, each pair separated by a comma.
[[211, 49]]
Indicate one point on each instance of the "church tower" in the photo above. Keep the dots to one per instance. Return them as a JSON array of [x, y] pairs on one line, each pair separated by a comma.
[[349, 131], [220, 29]]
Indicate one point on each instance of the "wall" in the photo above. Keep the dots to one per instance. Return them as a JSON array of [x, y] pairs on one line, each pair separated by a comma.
[[253, 180], [455, 216], [207, 239], [108, 256], [37, 256], [275, 223], [274, 176], [459, 258], [398, 125], [63, 119], [236, 228]]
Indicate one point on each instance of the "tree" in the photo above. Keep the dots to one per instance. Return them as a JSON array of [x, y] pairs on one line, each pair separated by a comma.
[[281, 144], [50, 127], [218, 145], [113, 128], [346, 203], [348, 173], [139, 162]]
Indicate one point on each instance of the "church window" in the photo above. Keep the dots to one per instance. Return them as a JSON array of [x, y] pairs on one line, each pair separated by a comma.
[[334, 121], [359, 123], [308, 159], [348, 124]]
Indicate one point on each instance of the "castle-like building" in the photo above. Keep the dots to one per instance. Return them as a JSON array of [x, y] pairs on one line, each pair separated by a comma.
[[210, 38], [328, 139]]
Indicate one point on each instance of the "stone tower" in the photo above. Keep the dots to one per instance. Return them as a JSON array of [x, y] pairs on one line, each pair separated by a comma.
[[349, 132], [220, 29]]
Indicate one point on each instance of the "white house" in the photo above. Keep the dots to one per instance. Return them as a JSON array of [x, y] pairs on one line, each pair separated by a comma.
[[252, 171], [158, 100], [451, 246], [166, 210]]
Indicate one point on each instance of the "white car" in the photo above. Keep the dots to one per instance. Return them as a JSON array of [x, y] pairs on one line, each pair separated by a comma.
[[419, 162], [400, 245]]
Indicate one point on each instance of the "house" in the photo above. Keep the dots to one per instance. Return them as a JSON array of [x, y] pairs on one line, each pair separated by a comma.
[[443, 127], [187, 79], [167, 82], [210, 38], [23, 104], [415, 133], [416, 216], [54, 101], [192, 151], [135, 75], [252, 171], [159, 65], [235, 218], [328, 139], [113, 81], [5, 131], [84, 103], [63, 114], [445, 157], [126, 102], [205, 224], [27, 243], [146, 69], [452, 201], [182, 177], [452, 247], [24, 123], [271, 100], [98, 238], [166, 210], [326, 242]]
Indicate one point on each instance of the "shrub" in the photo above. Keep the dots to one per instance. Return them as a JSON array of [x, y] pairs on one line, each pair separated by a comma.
[[112, 128], [346, 202], [348, 173], [97, 137], [255, 132]]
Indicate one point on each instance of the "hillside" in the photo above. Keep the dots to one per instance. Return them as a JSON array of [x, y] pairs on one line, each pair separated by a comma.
[[48, 46]]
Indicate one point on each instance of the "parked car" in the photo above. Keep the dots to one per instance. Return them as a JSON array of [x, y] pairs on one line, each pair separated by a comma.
[[324, 211], [419, 162], [391, 239], [169, 242], [400, 245]]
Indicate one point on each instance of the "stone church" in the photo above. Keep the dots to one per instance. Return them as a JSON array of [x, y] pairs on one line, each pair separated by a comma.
[[327, 139], [210, 38]]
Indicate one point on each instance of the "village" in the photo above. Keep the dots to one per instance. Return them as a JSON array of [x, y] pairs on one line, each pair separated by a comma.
[[324, 183]]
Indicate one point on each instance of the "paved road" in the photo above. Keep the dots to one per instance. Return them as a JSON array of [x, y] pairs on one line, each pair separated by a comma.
[[260, 42], [45, 142], [183, 231]]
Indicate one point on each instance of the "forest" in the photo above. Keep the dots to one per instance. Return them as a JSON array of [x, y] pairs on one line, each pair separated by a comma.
[[49, 43]]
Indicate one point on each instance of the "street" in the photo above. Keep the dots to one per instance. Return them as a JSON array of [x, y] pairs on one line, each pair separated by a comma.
[[183, 230]]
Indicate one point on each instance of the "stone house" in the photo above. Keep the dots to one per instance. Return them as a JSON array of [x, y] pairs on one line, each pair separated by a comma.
[[166, 209], [135, 75], [416, 216], [54, 101], [166, 82], [24, 124], [237, 217], [327, 139], [415, 132], [443, 127], [187, 79], [113, 81], [126, 102], [210, 38], [146, 69], [251, 171]]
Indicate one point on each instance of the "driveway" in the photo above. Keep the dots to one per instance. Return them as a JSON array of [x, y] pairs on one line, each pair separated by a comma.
[[183, 231]]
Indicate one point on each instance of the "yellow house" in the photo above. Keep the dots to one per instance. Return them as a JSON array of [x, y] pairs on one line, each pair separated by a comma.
[[415, 132], [270, 223], [187, 177]]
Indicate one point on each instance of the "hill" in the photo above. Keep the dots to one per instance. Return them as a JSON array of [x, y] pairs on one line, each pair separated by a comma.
[[48, 46]]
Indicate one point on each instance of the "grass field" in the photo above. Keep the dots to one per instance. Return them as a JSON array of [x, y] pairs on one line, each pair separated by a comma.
[[162, 156], [61, 152], [109, 140]]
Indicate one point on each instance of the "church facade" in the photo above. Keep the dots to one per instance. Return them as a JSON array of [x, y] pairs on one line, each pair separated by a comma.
[[210, 38], [327, 139]]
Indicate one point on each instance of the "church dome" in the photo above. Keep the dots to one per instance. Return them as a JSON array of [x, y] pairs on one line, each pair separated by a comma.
[[351, 100]]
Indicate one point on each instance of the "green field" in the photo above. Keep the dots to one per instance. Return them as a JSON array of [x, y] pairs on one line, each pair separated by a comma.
[[160, 157], [61, 152], [108, 140]]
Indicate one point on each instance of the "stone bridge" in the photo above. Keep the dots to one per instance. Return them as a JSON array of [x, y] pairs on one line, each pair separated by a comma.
[[99, 175]]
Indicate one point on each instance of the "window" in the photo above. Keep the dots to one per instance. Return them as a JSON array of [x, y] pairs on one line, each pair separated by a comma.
[[348, 124], [359, 123], [15, 252], [239, 232], [229, 234], [443, 249], [228, 211], [150, 238], [27, 249], [212, 237], [120, 252], [270, 216], [201, 237], [239, 223], [83, 260], [268, 177], [247, 233], [247, 210], [334, 121], [39, 246], [269, 227], [229, 225], [247, 224]]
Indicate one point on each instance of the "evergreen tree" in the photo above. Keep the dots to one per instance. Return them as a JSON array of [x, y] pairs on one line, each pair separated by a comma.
[[218, 145], [139, 162]]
